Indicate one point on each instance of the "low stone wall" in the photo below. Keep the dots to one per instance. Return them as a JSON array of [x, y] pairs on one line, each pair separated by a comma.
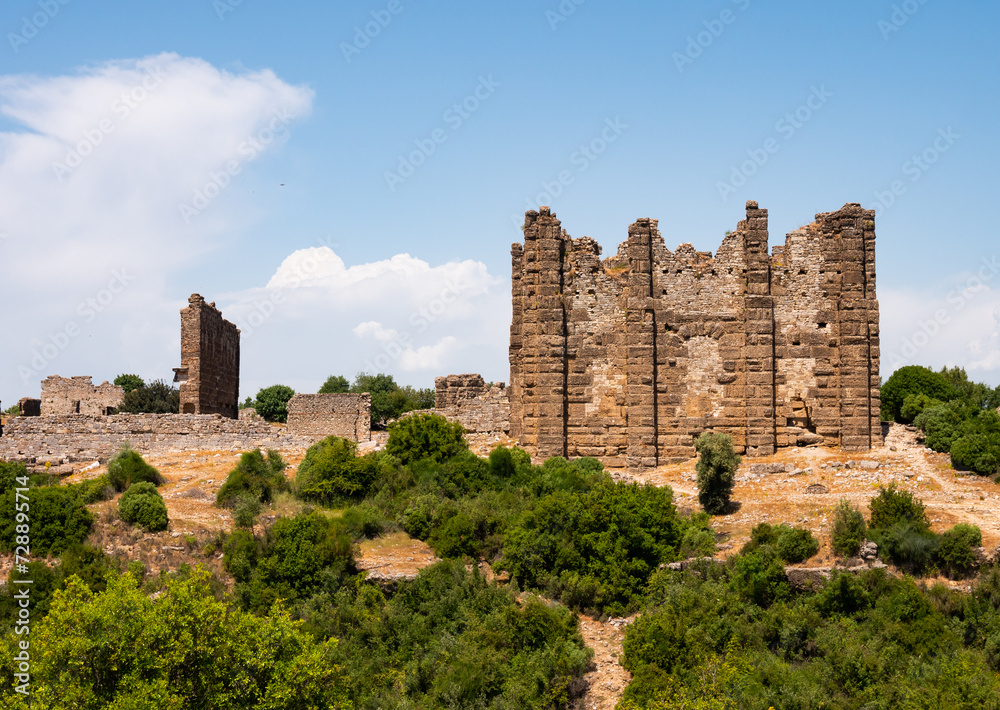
[[68, 439], [78, 395], [322, 415], [467, 400]]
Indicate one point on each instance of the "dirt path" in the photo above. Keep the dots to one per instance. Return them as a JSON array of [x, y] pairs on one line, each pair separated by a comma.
[[608, 680]]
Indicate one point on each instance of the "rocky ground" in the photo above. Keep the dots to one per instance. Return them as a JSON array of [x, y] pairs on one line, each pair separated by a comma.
[[797, 486]]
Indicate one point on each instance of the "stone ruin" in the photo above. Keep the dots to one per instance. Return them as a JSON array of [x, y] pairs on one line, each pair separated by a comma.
[[318, 416], [481, 409], [75, 395], [29, 407], [629, 358], [209, 374]]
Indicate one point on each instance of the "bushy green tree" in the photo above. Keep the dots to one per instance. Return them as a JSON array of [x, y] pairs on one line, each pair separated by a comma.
[[895, 505], [255, 475], [155, 398], [911, 380], [143, 505], [129, 382], [914, 404], [716, 469], [128, 467], [272, 402], [332, 471], [789, 544], [389, 400], [956, 554], [120, 648], [335, 384], [849, 529], [425, 436], [58, 519]]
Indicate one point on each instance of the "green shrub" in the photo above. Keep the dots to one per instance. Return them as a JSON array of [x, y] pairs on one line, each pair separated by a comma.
[[129, 382], [335, 384], [614, 535], [942, 424], [363, 521], [912, 380], [788, 543], [976, 446], [893, 505], [716, 467], [255, 475], [58, 519], [10, 472], [142, 504], [128, 467], [849, 529], [956, 555], [155, 398], [914, 404], [272, 402], [906, 544], [759, 577], [332, 471], [425, 436], [95, 490], [246, 508]]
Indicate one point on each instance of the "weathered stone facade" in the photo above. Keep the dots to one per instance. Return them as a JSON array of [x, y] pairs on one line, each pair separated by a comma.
[[209, 374], [78, 395], [321, 415], [69, 439], [629, 359], [467, 400]]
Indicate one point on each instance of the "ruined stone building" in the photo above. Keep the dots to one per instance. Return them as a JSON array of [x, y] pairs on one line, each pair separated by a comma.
[[321, 415], [478, 407], [209, 374], [630, 358], [75, 395]]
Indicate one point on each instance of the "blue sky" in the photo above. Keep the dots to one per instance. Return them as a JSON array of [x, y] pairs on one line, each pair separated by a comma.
[[298, 124]]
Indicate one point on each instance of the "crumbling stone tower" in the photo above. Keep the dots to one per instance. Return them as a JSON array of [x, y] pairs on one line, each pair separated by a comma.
[[209, 374], [629, 359]]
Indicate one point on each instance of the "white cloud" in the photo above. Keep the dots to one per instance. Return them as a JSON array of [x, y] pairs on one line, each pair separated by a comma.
[[407, 318], [93, 178]]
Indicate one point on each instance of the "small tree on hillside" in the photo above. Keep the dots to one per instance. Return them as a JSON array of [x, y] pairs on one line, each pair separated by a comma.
[[335, 384], [129, 382], [716, 467], [272, 402]]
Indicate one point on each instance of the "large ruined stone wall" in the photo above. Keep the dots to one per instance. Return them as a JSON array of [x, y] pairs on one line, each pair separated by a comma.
[[630, 358], [209, 374], [322, 415], [69, 439], [467, 400], [78, 395]]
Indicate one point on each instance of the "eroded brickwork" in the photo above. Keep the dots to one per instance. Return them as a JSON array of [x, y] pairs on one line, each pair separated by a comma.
[[209, 374], [467, 399], [65, 440], [630, 358], [78, 395], [322, 415], [29, 407]]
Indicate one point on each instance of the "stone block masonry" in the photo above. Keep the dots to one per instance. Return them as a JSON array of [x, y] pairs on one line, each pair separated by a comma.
[[630, 358], [78, 395], [74, 439], [321, 415], [209, 374], [468, 400]]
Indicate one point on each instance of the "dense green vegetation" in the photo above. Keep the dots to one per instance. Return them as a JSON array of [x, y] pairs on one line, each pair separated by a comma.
[[709, 640], [257, 476], [157, 397], [389, 400], [956, 415], [143, 505], [272, 402], [128, 467], [716, 469]]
